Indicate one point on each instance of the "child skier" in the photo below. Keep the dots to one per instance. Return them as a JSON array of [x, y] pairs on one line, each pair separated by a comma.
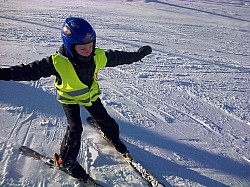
[[75, 67]]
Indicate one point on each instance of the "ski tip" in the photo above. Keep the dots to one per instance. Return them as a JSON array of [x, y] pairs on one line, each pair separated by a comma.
[[24, 149]]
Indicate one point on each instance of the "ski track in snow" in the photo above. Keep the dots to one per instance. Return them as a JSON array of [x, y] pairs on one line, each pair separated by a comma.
[[183, 111]]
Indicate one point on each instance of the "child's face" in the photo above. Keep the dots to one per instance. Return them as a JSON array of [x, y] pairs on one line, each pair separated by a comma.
[[84, 50]]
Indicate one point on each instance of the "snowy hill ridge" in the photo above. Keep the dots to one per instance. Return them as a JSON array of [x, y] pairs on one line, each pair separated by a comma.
[[183, 112]]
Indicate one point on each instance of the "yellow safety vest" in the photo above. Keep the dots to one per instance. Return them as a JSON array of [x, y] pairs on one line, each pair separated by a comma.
[[72, 90]]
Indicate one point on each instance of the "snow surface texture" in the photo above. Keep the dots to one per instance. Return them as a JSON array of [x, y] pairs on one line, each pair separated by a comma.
[[184, 112]]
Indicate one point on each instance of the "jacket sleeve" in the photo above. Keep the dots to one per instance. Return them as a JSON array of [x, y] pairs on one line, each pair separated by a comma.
[[115, 58], [28, 72]]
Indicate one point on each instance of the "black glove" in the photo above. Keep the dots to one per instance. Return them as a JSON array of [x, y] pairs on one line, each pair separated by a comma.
[[144, 51]]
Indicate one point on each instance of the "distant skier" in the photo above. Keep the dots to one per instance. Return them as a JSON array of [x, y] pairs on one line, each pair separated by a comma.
[[75, 67]]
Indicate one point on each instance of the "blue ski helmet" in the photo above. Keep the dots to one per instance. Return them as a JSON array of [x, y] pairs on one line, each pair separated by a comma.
[[76, 31]]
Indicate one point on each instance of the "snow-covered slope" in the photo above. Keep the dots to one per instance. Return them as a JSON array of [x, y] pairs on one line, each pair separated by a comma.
[[184, 112]]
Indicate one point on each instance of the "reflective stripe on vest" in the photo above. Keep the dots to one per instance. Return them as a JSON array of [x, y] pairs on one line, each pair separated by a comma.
[[59, 97], [72, 90], [78, 92]]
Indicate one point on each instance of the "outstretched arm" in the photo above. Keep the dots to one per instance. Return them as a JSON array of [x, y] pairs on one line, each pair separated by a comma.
[[115, 58], [28, 72]]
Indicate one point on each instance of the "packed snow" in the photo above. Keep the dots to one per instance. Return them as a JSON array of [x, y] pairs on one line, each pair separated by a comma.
[[184, 111]]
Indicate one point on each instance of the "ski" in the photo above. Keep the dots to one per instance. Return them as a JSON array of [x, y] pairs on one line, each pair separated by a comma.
[[26, 151], [138, 167]]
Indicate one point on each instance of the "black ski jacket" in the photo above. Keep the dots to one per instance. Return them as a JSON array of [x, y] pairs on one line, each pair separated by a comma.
[[84, 70]]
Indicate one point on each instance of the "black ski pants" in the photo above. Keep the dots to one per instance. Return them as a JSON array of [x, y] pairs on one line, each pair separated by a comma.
[[72, 140]]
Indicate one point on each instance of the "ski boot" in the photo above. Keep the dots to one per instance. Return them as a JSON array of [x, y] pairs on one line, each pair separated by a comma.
[[88, 181], [74, 169], [122, 149], [57, 160]]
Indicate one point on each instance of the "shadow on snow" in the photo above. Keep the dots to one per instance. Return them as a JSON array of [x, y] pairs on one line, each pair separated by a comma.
[[30, 98], [164, 167], [195, 9]]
